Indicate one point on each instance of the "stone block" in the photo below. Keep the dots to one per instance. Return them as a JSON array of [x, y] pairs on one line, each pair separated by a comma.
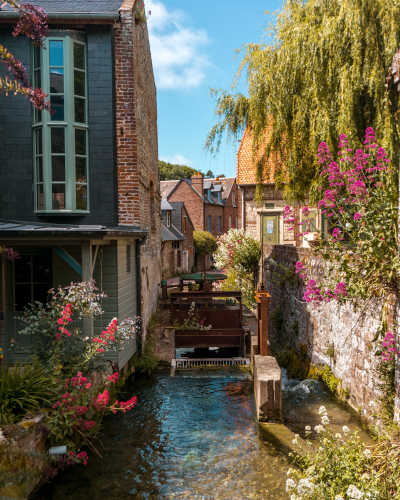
[[267, 388]]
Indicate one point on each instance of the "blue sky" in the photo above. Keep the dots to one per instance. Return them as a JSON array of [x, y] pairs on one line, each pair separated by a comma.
[[192, 45]]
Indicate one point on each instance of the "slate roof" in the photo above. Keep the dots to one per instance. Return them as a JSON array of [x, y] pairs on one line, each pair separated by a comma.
[[170, 234], [227, 184], [246, 164], [166, 187], [165, 205], [74, 6], [33, 229]]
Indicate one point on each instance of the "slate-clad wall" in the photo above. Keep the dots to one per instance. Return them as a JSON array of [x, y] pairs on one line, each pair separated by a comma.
[[350, 329], [16, 143]]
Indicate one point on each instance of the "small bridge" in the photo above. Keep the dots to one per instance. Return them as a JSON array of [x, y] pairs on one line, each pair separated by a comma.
[[226, 322]]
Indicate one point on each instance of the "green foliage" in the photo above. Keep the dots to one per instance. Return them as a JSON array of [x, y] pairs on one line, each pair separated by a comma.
[[329, 378], [169, 172], [281, 274], [204, 241], [238, 281], [276, 318], [339, 53], [385, 381], [341, 466], [22, 389], [296, 362], [193, 321], [148, 360]]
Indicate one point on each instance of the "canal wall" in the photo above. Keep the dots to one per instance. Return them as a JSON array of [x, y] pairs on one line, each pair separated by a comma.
[[337, 335]]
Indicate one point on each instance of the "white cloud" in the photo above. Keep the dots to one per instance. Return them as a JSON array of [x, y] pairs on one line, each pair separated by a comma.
[[177, 159], [176, 49]]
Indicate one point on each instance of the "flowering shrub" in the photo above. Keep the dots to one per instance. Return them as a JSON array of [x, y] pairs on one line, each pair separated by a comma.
[[238, 255], [67, 360], [341, 467], [360, 200]]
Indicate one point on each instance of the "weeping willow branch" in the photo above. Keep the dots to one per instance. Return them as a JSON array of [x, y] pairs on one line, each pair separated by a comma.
[[323, 74]]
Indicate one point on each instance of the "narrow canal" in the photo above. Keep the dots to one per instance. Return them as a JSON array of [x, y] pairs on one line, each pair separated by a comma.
[[195, 436]]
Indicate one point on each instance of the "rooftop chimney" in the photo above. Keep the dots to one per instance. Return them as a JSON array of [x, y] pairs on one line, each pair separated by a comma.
[[197, 183]]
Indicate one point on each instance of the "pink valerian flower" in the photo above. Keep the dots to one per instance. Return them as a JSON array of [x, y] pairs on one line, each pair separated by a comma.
[[83, 456], [343, 142], [64, 320], [324, 155], [336, 234], [124, 406], [113, 378], [15, 67], [313, 293], [340, 291], [357, 216], [102, 400], [370, 136], [387, 345]]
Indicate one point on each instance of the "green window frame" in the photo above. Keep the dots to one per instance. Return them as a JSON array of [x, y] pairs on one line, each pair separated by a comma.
[[60, 138]]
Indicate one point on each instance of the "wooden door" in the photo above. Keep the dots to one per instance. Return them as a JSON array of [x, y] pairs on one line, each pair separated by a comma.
[[270, 228]]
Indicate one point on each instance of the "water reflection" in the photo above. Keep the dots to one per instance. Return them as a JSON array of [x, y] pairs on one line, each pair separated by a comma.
[[192, 436], [195, 436]]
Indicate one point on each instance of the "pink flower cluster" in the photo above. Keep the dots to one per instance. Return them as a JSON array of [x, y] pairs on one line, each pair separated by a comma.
[[79, 457], [113, 378], [106, 336], [64, 320], [314, 294], [128, 405], [387, 344], [10, 253]]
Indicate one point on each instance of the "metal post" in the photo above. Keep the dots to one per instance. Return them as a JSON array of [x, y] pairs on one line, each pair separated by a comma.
[[87, 268], [263, 346]]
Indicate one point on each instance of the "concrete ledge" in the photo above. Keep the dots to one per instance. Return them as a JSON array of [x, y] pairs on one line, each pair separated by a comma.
[[267, 388], [253, 349]]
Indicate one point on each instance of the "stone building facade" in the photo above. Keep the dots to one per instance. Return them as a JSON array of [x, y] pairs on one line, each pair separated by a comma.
[[104, 223]]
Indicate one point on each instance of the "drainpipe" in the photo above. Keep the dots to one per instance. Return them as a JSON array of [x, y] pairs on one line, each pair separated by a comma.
[[242, 207], [139, 244]]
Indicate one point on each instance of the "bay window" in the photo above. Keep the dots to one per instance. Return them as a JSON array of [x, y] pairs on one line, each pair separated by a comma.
[[61, 137]]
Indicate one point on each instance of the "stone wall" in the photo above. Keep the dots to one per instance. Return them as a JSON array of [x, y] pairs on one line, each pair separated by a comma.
[[139, 200], [348, 328]]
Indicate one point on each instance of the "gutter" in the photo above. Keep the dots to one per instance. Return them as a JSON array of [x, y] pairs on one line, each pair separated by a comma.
[[139, 244], [83, 16]]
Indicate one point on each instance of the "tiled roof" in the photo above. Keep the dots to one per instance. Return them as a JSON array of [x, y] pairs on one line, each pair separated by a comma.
[[166, 187], [170, 234], [246, 164], [75, 6], [165, 205], [227, 183]]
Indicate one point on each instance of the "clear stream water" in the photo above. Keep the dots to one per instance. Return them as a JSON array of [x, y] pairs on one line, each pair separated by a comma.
[[195, 436]]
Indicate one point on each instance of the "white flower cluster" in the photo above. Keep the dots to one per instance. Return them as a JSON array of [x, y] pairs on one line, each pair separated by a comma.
[[297, 490], [83, 297]]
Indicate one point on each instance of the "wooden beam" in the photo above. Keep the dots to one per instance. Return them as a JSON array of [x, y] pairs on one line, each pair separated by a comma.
[[68, 259], [87, 263]]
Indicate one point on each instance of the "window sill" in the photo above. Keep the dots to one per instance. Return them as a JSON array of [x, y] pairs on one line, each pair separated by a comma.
[[63, 212]]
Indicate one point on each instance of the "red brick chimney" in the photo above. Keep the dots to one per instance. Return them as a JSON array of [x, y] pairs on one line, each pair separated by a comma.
[[197, 183]]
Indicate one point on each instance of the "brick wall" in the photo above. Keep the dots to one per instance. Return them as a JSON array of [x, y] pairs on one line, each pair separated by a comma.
[[194, 205], [350, 329], [215, 211], [139, 200], [230, 209]]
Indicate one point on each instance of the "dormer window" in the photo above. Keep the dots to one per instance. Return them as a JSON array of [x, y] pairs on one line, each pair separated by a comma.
[[168, 219], [61, 138]]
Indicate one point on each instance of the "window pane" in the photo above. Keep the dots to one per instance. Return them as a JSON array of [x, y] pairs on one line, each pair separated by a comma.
[[79, 110], [38, 79], [81, 197], [58, 168], [56, 53], [56, 81], [41, 268], [80, 169], [36, 57], [38, 116], [57, 140], [39, 142], [40, 198], [79, 56], [58, 197], [80, 142], [23, 296], [40, 293], [22, 269], [39, 169], [57, 103], [79, 83]]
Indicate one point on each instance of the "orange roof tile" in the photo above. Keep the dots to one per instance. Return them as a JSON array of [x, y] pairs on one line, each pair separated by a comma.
[[246, 163]]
